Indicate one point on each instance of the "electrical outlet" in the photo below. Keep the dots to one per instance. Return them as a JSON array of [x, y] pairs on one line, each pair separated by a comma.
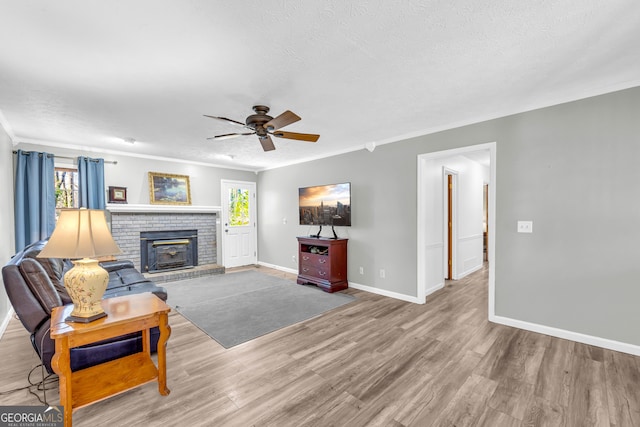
[[284, 221], [525, 226], [294, 258], [361, 270], [382, 273]]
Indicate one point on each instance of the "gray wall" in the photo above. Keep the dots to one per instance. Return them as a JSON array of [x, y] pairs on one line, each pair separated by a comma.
[[6, 214], [381, 211], [571, 169], [132, 172]]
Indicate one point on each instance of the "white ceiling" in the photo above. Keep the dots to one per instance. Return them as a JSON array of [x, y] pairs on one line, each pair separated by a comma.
[[87, 73]]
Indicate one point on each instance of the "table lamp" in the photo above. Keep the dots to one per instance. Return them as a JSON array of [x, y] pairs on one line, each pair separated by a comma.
[[83, 233]]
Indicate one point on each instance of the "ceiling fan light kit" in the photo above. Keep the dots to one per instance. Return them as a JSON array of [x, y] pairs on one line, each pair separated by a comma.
[[264, 126]]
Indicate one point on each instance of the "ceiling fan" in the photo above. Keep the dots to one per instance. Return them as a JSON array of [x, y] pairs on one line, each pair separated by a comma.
[[264, 126]]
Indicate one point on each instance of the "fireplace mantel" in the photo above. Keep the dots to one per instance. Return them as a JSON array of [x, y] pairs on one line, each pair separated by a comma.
[[125, 207]]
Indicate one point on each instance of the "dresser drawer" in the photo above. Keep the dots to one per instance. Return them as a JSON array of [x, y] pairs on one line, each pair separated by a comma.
[[314, 271], [314, 260]]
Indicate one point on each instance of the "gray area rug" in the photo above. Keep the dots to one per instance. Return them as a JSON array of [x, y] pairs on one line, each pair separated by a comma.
[[237, 307]]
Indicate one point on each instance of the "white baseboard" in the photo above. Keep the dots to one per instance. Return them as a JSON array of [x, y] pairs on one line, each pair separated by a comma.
[[468, 272], [520, 324], [365, 288], [385, 293], [568, 335], [432, 289], [5, 321], [277, 267]]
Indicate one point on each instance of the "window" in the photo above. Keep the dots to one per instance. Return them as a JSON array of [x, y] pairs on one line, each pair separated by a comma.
[[238, 207], [66, 180]]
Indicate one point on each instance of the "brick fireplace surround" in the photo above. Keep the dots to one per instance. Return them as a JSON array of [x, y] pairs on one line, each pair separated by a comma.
[[127, 221]]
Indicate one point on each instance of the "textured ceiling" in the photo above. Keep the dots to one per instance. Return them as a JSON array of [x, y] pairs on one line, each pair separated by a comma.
[[84, 74]]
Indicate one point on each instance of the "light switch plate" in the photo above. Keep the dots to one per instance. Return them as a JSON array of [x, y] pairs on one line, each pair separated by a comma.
[[525, 226]]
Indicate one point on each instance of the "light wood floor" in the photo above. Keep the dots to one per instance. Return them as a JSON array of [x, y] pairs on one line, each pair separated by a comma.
[[377, 361]]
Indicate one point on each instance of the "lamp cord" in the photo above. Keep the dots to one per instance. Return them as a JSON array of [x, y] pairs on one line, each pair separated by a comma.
[[44, 383], [44, 388], [36, 386]]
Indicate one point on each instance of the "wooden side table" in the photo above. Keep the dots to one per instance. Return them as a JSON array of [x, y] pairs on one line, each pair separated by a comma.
[[126, 314]]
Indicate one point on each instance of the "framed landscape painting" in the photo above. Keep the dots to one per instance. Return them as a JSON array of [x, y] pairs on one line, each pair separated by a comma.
[[169, 189]]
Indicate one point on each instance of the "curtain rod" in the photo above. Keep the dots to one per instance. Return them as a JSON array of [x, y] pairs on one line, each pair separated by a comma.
[[113, 162]]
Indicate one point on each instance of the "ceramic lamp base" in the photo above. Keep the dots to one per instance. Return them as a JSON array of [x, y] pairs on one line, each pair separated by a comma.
[[85, 283]]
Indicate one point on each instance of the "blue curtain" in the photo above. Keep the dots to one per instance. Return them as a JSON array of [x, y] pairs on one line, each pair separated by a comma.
[[34, 197], [91, 183]]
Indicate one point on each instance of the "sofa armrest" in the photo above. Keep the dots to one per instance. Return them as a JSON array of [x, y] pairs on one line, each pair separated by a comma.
[[40, 285], [27, 307], [116, 265]]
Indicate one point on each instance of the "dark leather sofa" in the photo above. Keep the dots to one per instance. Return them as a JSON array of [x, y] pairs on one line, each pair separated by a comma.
[[35, 286]]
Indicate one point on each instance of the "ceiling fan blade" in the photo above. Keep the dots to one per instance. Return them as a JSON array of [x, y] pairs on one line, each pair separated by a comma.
[[235, 122], [281, 121], [309, 137], [267, 143], [230, 135]]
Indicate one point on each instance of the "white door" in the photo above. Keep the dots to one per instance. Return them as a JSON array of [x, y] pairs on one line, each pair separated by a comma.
[[239, 237]]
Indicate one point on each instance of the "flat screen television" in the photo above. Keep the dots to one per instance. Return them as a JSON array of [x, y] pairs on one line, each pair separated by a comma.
[[325, 205]]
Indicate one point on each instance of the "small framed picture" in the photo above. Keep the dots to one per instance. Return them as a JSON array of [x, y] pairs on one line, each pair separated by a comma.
[[117, 195]]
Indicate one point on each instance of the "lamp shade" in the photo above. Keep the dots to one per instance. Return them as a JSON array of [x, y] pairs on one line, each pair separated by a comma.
[[80, 233]]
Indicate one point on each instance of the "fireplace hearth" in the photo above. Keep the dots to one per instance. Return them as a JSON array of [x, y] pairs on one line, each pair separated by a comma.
[[168, 250]]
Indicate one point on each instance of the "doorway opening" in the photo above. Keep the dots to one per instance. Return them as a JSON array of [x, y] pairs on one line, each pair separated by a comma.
[[433, 243]]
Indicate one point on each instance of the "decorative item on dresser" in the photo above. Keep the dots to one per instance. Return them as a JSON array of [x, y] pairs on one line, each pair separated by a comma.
[[323, 262]]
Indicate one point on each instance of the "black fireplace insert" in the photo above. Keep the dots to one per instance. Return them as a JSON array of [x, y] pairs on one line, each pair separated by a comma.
[[168, 250]]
